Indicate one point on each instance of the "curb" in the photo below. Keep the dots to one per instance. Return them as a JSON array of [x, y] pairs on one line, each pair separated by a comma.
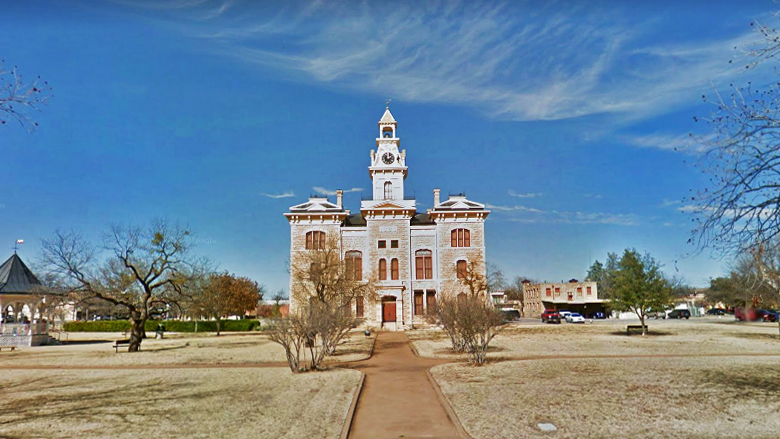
[[447, 407], [351, 413]]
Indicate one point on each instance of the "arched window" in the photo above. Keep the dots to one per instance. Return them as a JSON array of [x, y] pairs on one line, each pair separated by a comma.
[[460, 238], [353, 261], [423, 263], [388, 190], [359, 307], [382, 269], [394, 269], [315, 240], [461, 269], [387, 132]]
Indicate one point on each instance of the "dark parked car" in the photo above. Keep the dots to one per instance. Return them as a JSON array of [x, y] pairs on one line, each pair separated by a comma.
[[597, 315], [510, 315], [679, 314], [716, 312], [551, 316], [768, 315]]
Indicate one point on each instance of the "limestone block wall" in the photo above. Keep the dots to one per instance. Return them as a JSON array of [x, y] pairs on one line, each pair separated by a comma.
[[448, 255]]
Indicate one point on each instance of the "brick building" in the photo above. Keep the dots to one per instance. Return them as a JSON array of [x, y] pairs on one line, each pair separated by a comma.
[[411, 256], [574, 296]]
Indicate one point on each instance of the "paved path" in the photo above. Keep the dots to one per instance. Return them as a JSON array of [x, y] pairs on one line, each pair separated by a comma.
[[397, 399]]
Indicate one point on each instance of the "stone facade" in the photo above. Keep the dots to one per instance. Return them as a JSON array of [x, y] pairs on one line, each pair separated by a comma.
[[426, 247]]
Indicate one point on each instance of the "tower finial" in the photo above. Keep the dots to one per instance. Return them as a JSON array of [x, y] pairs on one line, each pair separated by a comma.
[[387, 104]]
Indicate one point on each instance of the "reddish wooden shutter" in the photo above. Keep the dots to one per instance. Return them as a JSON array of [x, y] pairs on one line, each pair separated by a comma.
[[382, 269], [394, 269], [466, 238]]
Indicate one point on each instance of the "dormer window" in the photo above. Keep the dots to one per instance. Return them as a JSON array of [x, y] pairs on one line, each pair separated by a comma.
[[388, 190]]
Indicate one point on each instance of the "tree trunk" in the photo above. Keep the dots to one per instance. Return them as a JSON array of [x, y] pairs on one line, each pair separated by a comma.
[[196, 326], [137, 334], [642, 320], [218, 324]]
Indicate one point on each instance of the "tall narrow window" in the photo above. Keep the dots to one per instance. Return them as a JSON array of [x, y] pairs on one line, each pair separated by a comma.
[[548, 291], [388, 190], [394, 269], [460, 238], [315, 240], [359, 306], [382, 269], [423, 263], [461, 269], [353, 261]]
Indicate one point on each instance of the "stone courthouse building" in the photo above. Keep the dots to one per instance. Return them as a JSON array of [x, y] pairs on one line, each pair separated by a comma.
[[410, 256]]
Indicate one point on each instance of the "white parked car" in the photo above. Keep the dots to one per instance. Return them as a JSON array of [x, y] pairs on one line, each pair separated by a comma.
[[575, 318], [564, 314]]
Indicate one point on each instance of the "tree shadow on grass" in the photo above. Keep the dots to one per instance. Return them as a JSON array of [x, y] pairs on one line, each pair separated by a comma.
[[106, 403], [756, 336], [651, 333], [749, 381]]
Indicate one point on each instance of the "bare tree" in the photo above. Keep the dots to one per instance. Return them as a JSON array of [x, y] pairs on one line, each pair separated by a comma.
[[18, 95], [323, 289], [144, 268], [467, 315], [740, 208]]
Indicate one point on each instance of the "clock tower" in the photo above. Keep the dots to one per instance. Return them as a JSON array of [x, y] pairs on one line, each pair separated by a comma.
[[388, 167]]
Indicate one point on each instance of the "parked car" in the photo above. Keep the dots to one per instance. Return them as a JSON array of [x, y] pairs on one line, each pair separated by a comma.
[[598, 315], [715, 312], [551, 316], [575, 318], [656, 314], [510, 315], [768, 315], [563, 313], [747, 314], [679, 314]]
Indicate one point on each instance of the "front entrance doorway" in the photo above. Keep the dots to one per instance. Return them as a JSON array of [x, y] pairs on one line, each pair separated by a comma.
[[388, 309]]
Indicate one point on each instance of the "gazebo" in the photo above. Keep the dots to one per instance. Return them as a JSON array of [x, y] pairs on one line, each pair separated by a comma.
[[21, 298]]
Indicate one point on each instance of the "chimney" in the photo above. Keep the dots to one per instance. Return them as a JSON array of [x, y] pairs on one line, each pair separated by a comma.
[[339, 194], [436, 193]]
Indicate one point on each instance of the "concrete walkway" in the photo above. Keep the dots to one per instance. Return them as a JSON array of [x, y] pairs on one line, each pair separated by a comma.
[[397, 399]]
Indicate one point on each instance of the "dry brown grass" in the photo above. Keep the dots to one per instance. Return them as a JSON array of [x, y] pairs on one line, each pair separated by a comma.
[[613, 398], [94, 349], [696, 336], [202, 403]]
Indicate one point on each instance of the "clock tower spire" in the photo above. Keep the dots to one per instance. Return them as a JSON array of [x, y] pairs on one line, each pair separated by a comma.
[[388, 164]]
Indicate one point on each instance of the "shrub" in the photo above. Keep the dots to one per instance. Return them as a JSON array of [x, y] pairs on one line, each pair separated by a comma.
[[170, 325]]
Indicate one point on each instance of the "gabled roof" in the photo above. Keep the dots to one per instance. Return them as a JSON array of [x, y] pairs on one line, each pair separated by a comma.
[[15, 277], [387, 117], [317, 204], [459, 202]]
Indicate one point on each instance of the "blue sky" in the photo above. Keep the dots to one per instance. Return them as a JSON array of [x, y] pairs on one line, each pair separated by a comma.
[[562, 116]]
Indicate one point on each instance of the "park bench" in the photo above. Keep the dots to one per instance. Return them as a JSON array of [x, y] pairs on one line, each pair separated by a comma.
[[13, 348], [119, 343], [636, 327]]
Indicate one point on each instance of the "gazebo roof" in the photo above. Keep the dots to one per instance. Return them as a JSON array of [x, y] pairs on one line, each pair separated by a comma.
[[15, 277]]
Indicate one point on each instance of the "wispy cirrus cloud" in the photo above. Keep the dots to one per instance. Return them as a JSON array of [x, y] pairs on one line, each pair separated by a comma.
[[277, 196], [530, 215], [511, 60], [513, 193], [323, 191]]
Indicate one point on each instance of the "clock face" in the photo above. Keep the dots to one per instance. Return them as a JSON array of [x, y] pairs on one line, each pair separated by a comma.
[[388, 158]]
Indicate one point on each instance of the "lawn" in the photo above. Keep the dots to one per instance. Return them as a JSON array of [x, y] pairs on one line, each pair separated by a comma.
[[732, 397], [94, 349], [159, 403], [695, 336]]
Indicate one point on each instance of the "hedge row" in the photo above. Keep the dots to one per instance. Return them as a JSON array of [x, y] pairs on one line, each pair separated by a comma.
[[170, 325]]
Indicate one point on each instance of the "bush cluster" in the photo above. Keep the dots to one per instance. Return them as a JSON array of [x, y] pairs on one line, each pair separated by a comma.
[[170, 325]]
